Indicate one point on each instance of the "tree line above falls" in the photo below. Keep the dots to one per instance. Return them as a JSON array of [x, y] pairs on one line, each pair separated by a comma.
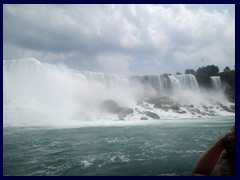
[[227, 78]]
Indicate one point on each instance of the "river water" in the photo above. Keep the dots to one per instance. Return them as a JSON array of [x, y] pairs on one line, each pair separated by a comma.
[[151, 148]]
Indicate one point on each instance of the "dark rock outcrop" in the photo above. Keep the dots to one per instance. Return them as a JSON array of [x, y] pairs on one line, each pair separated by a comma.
[[111, 106], [226, 108], [195, 111], [205, 107], [160, 101], [124, 112], [175, 108], [159, 106], [232, 107], [182, 112], [151, 115]]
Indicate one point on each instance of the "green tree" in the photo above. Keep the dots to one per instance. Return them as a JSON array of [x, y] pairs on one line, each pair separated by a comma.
[[210, 70], [178, 73], [190, 71], [226, 69]]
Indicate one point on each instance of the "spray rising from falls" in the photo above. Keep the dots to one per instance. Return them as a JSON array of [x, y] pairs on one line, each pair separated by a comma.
[[39, 94]]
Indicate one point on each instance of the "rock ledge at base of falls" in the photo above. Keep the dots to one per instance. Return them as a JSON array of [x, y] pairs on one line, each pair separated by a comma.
[[111, 106], [124, 112], [160, 101], [151, 115]]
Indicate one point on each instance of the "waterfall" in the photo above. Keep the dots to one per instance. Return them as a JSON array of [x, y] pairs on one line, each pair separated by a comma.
[[31, 73], [216, 82], [160, 83], [165, 84], [183, 82], [38, 93], [109, 80]]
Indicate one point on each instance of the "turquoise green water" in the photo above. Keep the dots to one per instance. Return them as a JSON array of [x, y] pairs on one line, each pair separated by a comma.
[[169, 148]]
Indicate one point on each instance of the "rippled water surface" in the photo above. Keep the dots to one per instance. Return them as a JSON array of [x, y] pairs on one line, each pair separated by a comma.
[[159, 148]]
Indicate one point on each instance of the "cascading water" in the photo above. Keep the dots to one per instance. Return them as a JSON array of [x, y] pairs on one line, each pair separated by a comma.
[[166, 85], [186, 81], [36, 93], [109, 80], [216, 83], [160, 83]]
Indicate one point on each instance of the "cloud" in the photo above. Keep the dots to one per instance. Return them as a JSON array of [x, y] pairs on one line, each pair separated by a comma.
[[213, 54], [104, 37]]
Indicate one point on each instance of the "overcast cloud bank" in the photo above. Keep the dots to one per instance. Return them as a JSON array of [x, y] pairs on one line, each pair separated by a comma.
[[122, 39]]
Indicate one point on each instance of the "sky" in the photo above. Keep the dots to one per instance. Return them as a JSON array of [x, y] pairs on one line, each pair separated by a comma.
[[122, 39]]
